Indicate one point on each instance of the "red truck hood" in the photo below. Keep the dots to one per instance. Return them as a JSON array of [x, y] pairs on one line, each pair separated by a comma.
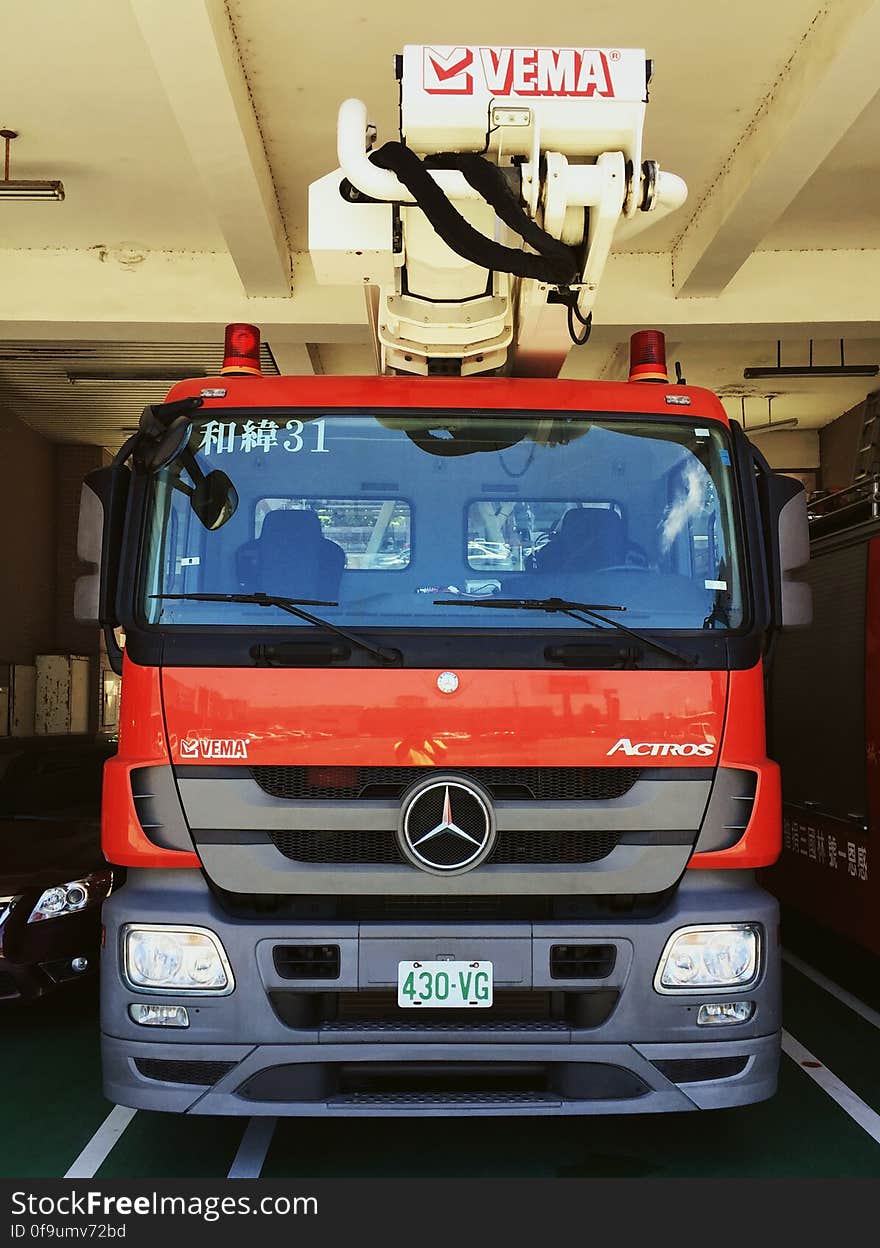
[[369, 717]]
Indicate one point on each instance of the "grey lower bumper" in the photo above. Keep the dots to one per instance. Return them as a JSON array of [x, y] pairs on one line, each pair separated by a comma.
[[641, 1052]]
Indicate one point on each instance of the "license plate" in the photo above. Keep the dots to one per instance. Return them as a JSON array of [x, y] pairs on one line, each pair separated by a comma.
[[444, 985]]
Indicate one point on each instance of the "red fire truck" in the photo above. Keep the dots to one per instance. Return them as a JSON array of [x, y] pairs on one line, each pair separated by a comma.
[[442, 774]]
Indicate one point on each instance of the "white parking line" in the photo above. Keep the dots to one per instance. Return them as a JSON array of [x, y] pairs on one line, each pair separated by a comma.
[[853, 1003], [851, 1104], [252, 1150], [95, 1153]]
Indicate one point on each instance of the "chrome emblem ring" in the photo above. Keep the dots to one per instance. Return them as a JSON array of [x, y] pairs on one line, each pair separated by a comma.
[[447, 825]]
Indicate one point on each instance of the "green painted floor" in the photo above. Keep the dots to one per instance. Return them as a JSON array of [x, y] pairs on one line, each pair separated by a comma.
[[52, 1105]]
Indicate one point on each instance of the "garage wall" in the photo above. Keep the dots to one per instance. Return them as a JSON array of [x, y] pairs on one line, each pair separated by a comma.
[[790, 449], [27, 542], [839, 443]]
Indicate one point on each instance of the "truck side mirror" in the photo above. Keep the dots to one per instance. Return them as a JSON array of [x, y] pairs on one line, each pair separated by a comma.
[[89, 540], [784, 508], [99, 544], [794, 553], [214, 499]]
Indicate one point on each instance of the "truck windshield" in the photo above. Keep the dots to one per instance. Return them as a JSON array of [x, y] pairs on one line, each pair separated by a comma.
[[382, 513]]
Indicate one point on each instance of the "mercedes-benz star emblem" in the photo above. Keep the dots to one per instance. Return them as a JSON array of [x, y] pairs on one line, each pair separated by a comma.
[[446, 825]]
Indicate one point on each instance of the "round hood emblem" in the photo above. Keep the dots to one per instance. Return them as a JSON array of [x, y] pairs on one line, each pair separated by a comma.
[[446, 825], [447, 682]]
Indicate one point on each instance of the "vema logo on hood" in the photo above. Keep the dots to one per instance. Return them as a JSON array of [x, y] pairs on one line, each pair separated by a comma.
[[662, 749], [213, 747]]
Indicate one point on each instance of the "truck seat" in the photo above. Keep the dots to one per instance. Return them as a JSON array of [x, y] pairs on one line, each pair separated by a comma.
[[291, 556], [588, 538]]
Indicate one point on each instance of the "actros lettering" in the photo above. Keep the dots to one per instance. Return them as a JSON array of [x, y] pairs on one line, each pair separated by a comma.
[[662, 749]]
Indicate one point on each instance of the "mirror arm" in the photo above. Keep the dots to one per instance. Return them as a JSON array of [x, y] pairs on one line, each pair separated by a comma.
[[191, 465], [125, 450], [157, 421], [157, 418]]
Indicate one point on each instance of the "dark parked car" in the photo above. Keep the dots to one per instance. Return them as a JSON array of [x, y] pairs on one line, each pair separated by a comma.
[[53, 876]]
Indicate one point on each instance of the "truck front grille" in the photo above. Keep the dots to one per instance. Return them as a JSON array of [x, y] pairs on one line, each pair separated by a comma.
[[539, 846], [542, 784], [376, 908], [380, 1005], [425, 1084], [526, 1011]]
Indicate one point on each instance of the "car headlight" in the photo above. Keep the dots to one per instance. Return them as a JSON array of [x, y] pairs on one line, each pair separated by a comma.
[[71, 897], [175, 959], [700, 959]]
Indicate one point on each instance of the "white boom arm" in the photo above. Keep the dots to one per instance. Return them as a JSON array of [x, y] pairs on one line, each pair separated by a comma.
[[487, 228]]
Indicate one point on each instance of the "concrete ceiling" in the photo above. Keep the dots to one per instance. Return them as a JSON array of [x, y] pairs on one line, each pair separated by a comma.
[[95, 391], [187, 131]]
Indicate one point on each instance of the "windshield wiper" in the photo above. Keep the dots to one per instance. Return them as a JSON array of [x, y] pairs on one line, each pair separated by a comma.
[[294, 607], [585, 612]]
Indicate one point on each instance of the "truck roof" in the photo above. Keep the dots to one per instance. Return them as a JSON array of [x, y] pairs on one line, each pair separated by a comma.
[[492, 393]]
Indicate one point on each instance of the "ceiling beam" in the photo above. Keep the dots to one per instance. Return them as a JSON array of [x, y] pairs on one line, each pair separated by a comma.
[[196, 55], [60, 294], [171, 296], [776, 294], [296, 359], [824, 86]]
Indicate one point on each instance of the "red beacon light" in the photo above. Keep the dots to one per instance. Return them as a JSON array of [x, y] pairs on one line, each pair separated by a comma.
[[647, 356], [241, 351]]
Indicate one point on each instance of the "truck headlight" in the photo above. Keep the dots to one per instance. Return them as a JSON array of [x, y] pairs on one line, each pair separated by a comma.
[[175, 959], [718, 955], [71, 897]]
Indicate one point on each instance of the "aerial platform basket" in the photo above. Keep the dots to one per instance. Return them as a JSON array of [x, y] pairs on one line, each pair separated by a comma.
[[488, 225]]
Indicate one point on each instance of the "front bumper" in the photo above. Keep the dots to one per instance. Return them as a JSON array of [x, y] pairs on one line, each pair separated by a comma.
[[280, 1046]]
